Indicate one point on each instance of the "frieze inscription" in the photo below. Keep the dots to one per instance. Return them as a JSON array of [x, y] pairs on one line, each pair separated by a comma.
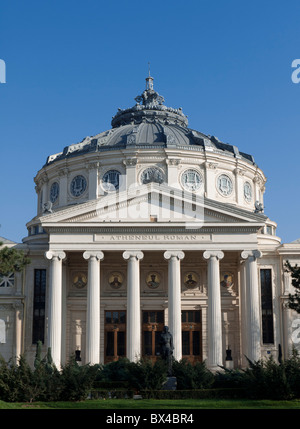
[[153, 237]]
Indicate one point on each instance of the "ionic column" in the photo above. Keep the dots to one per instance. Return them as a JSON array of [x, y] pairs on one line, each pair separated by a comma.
[[243, 301], [55, 305], [133, 313], [253, 328], [93, 307], [215, 355], [174, 299]]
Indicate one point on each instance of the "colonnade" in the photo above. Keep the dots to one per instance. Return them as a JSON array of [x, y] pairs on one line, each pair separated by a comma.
[[133, 323]]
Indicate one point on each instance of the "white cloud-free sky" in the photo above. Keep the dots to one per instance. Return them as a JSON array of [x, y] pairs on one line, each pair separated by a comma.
[[71, 64]]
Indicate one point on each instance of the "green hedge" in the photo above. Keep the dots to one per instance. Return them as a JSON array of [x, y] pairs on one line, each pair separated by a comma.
[[169, 394], [111, 394], [194, 394], [108, 385], [265, 379]]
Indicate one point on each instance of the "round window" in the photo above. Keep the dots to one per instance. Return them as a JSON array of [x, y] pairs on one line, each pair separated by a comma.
[[54, 192], [247, 191], [78, 186], [191, 180], [152, 174], [111, 180], [225, 186]]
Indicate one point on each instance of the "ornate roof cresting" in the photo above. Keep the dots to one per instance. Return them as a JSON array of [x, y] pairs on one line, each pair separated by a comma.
[[149, 106]]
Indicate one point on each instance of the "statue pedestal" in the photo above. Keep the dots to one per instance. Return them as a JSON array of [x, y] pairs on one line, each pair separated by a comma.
[[229, 364], [170, 384]]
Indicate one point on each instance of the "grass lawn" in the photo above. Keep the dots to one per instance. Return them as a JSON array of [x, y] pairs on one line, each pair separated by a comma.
[[154, 404]]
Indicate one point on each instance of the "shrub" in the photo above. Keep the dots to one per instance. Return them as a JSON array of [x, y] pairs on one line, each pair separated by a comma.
[[265, 379], [76, 381], [229, 378], [20, 383], [145, 374], [192, 376], [116, 371], [292, 371], [111, 393], [204, 379], [194, 394], [8, 386]]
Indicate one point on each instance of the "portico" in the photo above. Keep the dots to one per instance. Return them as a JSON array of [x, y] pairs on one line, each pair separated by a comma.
[[171, 296]]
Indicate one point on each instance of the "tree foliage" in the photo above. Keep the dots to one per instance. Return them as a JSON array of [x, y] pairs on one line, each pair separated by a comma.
[[192, 376], [264, 379], [21, 383], [294, 299], [12, 260]]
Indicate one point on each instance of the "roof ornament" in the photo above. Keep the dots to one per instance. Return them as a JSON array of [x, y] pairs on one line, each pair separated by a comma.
[[149, 98], [149, 80], [47, 208], [149, 107], [259, 208]]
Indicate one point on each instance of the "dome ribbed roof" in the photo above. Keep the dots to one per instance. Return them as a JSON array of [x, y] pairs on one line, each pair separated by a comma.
[[149, 123]]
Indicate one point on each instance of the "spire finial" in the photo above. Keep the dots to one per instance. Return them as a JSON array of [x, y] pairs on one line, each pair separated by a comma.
[[149, 79]]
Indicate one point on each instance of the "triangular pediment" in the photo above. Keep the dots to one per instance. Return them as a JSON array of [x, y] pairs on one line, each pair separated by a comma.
[[153, 203]]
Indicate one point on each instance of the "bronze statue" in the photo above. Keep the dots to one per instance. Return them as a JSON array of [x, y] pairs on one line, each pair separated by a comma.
[[167, 347]]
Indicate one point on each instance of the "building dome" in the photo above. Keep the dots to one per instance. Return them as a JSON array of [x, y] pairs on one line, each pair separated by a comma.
[[149, 142], [150, 123]]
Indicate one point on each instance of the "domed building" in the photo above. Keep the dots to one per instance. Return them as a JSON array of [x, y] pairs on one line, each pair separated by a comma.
[[148, 224]]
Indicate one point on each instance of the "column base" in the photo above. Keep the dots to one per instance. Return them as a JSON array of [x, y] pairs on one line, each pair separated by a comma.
[[215, 368]]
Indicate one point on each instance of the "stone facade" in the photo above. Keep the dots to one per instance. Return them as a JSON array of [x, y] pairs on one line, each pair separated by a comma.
[[149, 224]]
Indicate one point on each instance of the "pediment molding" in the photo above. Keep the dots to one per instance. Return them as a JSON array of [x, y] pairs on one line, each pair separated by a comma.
[[212, 212]]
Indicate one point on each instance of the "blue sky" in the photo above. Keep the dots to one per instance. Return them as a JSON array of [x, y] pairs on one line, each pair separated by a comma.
[[71, 64]]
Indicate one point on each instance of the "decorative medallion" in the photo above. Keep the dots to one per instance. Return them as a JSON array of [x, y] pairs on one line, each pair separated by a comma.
[[227, 280], [78, 186], [111, 180], [152, 174], [54, 192], [79, 280], [224, 185], [247, 192], [191, 280], [115, 280], [153, 280], [191, 180]]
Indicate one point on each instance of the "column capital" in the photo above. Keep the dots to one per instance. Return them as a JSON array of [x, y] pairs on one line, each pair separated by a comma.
[[179, 254], [255, 254], [90, 254], [137, 254], [213, 253], [51, 254]]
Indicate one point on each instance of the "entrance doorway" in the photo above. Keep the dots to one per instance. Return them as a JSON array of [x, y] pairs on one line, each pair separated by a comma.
[[192, 335], [152, 327], [115, 335]]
